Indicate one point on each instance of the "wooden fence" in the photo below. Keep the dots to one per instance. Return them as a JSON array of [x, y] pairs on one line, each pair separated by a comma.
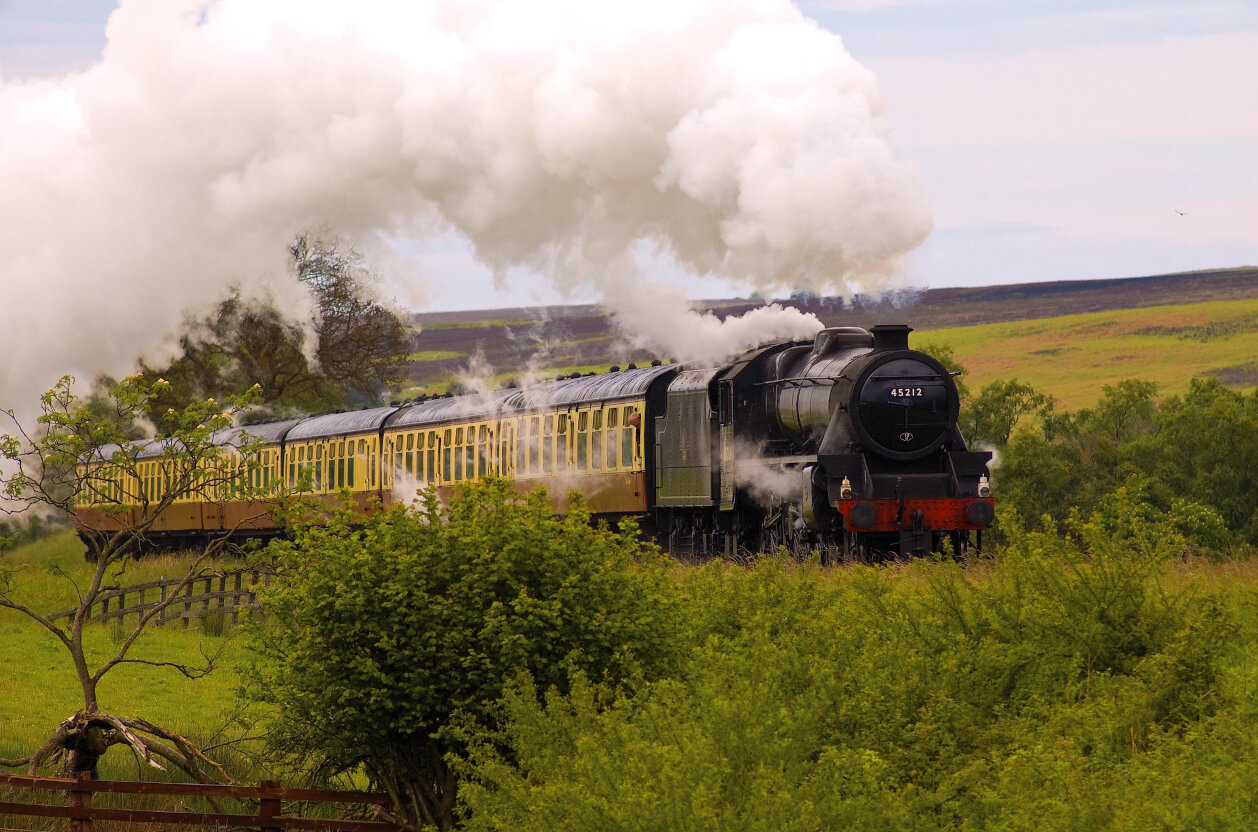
[[228, 592], [269, 817]]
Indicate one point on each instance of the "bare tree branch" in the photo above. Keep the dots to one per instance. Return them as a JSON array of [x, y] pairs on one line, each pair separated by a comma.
[[42, 620], [78, 459]]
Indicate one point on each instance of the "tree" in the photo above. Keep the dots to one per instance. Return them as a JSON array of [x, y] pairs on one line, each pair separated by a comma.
[[362, 345], [360, 350], [990, 417], [82, 454], [947, 356], [387, 632]]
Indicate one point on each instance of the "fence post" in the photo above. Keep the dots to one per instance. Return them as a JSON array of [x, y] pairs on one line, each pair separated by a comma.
[[236, 598], [81, 798], [268, 804], [187, 604], [161, 616]]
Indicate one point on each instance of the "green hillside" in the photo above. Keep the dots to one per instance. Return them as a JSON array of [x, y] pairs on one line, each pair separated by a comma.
[[1071, 357]]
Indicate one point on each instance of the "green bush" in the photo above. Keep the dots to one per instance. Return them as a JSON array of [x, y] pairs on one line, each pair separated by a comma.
[[1194, 459], [1027, 692], [388, 631]]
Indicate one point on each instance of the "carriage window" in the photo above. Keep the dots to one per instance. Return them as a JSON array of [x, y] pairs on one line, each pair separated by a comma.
[[340, 465], [522, 446], [612, 442], [548, 445], [628, 439], [431, 466], [582, 439], [533, 429], [561, 442], [596, 449]]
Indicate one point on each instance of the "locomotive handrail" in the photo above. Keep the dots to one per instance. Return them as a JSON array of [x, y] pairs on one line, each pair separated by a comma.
[[802, 380], [930, 376], [797, 459]]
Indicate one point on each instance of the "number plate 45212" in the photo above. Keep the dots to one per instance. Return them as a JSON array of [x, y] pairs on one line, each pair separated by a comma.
[[907, 392]]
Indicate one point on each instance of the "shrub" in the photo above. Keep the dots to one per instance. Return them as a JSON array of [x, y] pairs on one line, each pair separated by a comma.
[[389, 630]]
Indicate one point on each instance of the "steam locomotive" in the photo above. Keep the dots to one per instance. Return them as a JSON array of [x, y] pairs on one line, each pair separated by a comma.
[[846, 445]]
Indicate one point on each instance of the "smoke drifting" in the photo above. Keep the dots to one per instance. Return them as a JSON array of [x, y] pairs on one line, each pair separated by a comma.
[[735, 137], [768, 484]]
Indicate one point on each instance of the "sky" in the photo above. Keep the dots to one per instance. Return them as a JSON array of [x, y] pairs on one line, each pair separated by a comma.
[[1055, 140]]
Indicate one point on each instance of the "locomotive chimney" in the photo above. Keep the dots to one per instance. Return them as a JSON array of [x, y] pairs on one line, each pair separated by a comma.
[[891, 336], [836, 338]]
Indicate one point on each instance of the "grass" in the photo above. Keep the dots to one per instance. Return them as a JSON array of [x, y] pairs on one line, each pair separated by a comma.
[[38, 688], [435, 355], [1072, 357]]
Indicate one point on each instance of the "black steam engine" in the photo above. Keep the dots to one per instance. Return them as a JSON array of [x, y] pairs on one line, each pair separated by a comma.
[[847, 445]]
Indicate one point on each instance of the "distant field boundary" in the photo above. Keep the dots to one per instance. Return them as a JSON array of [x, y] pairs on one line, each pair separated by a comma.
[[228, 592], [270, 798]]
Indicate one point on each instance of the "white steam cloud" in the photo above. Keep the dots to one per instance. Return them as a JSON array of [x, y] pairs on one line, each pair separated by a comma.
[[735, 137], [766, 482]]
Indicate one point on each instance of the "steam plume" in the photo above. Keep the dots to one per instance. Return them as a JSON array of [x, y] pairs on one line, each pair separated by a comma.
[[734, 136]]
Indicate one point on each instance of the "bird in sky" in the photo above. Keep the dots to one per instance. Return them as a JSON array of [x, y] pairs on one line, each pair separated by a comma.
[[1181, 213]]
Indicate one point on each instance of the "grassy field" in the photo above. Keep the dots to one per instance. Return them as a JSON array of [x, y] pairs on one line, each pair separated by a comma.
[[38, 688], [435, 355], [1069, 357], [1072, 357]]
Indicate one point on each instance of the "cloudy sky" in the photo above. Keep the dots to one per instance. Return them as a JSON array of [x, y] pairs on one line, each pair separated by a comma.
[[1056, 140]]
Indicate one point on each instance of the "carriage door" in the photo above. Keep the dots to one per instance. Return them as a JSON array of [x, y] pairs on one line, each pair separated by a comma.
[[725, 414], [392, 462]]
